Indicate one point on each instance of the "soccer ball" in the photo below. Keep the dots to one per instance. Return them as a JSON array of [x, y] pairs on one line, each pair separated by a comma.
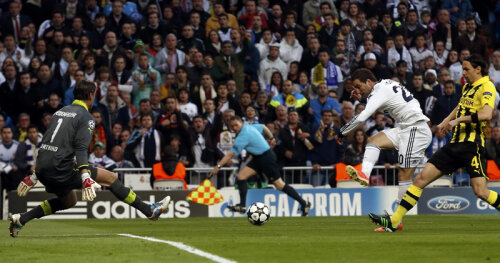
[[258, 213]]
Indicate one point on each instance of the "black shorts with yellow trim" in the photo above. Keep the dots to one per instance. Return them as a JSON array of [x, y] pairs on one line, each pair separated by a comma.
[[267, 164], [61, 188], [453, 156]]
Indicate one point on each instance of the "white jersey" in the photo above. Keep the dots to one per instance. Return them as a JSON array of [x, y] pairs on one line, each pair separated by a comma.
[[391, 97]]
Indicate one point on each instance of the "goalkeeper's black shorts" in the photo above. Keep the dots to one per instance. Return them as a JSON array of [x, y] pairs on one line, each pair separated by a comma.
[[62, 188]]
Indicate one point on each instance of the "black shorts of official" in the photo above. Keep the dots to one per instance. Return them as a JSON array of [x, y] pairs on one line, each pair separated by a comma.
[[63, 187], [267, 164], [463, 154]]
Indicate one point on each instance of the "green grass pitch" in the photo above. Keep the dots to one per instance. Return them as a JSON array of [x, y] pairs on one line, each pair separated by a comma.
[[425, 238]]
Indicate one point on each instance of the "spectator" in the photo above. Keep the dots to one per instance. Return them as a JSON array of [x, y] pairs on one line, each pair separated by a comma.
[[29, 149], [120, 74], [355, 151], [228, 66], [291, 23], [290, 98], [246, 18], [28, 97], [98, 157], [327, 152], [385, 29], [418, 91], [23, 122], [9, 170], [327, 72], [322, 103], [445, 104], [154, 26], [157, 106], [8, 91], [347, 112], [203, 148], [188, 40], [420, 51], [440, 54], [53, 104], [276, 18], [404, 77], [290, 48], [310, 56], [100, 133], [117, 18], [399, 52], [380, 124], [438, 141], [195, 72], [291, 149], [110, 105], [327, 33], [145, 142], [114, 137], [173, 122], [185, 105], [107, 55], [145, 79], [455, 65], [494, 70], [213, 21], [223, 101], [430, 79], [313, 9], [169, 57], [209, 113], [13, 21], [169, 168], [493, 146], [247, 53], [250, 116], [370, 62], [271, 64], [72, 79], [472, 41], [457, 8], [117, 155], [204, 91]]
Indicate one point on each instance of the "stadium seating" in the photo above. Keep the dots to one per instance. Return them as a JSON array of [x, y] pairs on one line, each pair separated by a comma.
[[171, 184], [443, 181], [301, 186]]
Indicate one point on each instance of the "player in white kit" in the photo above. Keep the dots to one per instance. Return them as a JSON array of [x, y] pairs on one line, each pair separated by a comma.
[[410, 138]]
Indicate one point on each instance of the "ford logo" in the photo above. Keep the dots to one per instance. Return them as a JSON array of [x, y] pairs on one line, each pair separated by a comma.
[[448, 203]]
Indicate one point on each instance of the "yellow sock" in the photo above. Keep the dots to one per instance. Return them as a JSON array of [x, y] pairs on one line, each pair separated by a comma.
[[493, 199], [409, 200]]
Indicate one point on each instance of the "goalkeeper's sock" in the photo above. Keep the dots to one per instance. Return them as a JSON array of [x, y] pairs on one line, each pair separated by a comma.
[[128, 196], [290, 191], [494, 200], [243, 188], [370, 158], [408, 202], [46, 208]]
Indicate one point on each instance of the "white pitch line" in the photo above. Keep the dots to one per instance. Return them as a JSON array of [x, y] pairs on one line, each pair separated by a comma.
[[184, 247]]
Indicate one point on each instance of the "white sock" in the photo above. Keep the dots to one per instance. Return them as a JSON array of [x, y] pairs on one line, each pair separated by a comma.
[[370, 158], [403, 186]]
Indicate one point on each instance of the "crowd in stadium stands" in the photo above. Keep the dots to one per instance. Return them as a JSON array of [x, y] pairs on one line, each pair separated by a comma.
[[174, 72]]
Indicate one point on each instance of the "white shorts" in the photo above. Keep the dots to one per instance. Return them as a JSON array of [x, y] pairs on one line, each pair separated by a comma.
[[411, 143]]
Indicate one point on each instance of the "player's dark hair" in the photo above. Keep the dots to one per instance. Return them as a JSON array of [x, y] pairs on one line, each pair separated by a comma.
[[477, 61], [363, 74], [236, 117], [84, 89]]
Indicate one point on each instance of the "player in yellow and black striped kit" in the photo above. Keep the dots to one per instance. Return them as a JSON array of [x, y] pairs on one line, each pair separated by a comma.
[[466, 148]]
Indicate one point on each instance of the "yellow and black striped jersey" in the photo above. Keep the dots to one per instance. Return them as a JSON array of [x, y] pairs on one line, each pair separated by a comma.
[[473, 99]]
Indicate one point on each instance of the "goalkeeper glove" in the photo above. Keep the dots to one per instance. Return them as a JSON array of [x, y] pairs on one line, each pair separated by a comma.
[[26, 184], [88, 187]]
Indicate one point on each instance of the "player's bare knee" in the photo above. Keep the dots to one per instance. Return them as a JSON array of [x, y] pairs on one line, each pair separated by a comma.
[[482, 193]]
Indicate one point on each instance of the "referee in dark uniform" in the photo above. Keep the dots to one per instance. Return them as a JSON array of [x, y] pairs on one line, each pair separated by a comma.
[[467, 122], [66, 139], [250, 138]]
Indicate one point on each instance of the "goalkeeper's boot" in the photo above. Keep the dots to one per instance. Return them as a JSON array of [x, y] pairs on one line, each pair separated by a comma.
[[357, 176], [159, 208], [237, 208], [383, 221], [381, 229], [305, 209], [15, 225]]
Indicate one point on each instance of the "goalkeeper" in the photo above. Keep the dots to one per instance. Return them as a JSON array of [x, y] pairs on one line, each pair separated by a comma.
[[66, 140]]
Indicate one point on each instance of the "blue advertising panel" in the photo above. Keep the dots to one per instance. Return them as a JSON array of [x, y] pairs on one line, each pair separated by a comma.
[[328, 202], [460, 200]]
